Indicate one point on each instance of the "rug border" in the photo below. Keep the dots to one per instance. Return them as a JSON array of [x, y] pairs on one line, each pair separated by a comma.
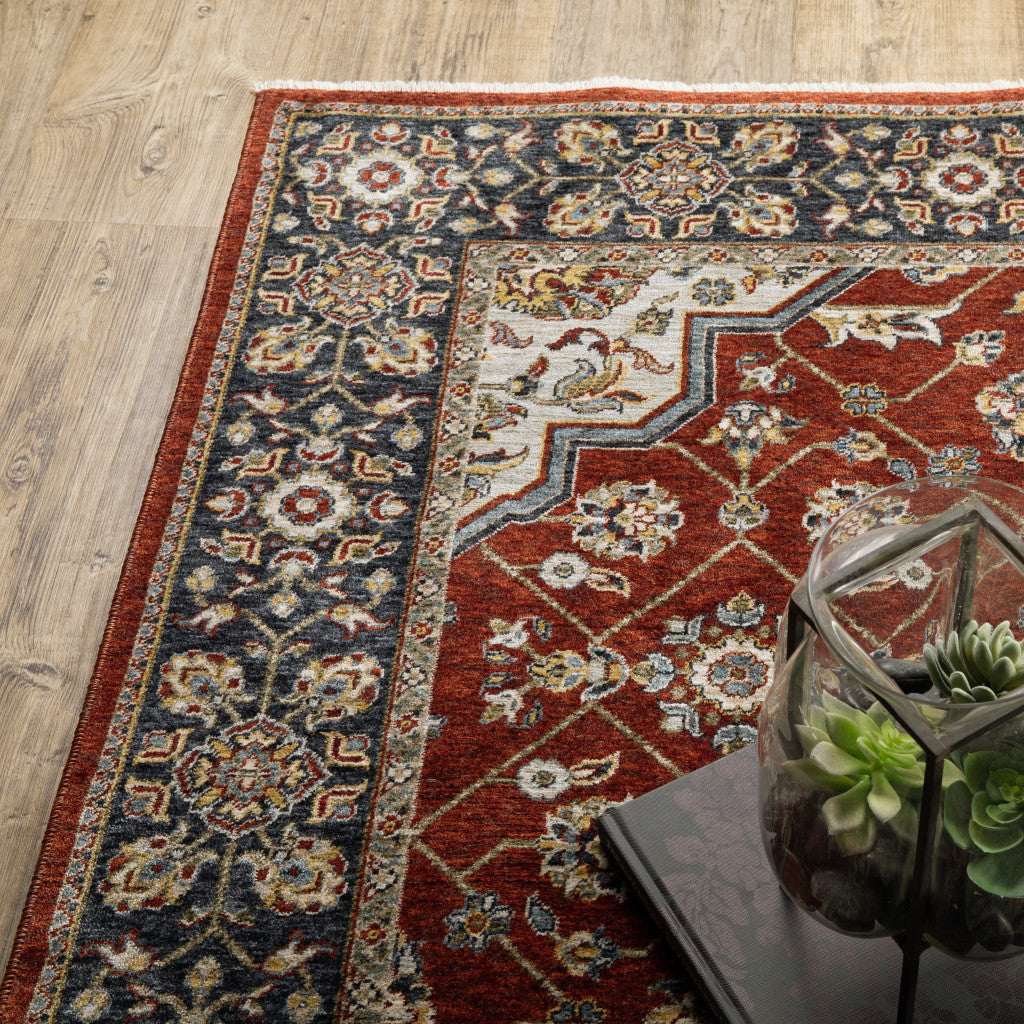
[[29, 950], [606, 86]]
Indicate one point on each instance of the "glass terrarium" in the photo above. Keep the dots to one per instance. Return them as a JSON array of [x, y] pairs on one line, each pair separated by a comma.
[[892, 739]]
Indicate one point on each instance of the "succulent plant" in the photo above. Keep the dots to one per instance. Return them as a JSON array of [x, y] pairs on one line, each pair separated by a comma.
[[983, 812], [874, 768], [977, 664]]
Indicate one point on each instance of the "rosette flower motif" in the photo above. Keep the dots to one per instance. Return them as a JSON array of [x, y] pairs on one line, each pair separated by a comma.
[[874, 768], [978, 664], [984, 814]]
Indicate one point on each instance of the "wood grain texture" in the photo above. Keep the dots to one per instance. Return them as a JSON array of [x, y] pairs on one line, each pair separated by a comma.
[[123, 121]]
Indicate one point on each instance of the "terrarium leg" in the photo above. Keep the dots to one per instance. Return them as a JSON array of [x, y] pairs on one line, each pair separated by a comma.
[[912, 941], [908, 986]]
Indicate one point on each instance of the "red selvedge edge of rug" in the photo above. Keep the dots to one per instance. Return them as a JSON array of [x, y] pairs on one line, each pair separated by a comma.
[[30, 945], [751, 94]]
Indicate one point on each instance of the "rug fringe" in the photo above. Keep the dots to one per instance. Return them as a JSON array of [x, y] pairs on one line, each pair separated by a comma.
[[633, 83]]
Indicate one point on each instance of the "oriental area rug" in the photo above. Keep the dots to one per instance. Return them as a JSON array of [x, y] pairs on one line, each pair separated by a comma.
[[509, 423]]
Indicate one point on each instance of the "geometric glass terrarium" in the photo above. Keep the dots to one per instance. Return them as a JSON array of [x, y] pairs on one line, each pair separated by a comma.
[[891, 742]]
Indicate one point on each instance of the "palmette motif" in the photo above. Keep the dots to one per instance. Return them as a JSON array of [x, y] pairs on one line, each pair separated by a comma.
[[521, 426]]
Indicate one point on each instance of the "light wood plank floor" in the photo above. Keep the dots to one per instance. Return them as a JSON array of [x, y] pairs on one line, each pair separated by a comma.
[[121, 125]]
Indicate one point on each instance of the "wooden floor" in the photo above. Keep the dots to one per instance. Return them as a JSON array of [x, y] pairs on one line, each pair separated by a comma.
[[121, 124]]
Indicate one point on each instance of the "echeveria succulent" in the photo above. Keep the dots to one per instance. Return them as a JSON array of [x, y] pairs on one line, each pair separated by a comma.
[[874, 768], [977, 664], [983, 813]]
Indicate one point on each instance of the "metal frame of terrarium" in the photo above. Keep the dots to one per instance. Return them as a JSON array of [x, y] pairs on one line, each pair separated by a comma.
[[966, 521]]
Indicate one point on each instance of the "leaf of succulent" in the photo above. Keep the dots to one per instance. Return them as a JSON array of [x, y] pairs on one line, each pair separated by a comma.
[[878, 714], [980, 663], [815, 779], [834, 760], [883, 800], [810, 737], [1000, 873], [846, 812], [945, 677], [1005, 668], [848, 819], [983, 813], [954, 652], [905, 823], [874, 768], [975, 695], [845, 732], [956, 813], [978, 656], [977, 767]]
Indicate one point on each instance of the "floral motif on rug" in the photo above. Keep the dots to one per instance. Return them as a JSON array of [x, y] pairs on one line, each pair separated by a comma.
[[508, 428]]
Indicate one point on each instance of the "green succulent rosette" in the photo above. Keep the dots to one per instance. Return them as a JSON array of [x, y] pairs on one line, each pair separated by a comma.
[[983, 813], [978, 663], [873, 767]]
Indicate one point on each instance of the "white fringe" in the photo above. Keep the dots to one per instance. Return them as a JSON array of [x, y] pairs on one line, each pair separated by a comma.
[[631, 83]]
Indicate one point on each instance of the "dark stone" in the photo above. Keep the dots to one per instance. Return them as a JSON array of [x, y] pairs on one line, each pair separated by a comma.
[[991, 918], [994, 932], [819, 848], [947, 927], [847, 903], [791, 800], [887, 873], [790, 814], [909, 676], [795, 878], [886, 869]]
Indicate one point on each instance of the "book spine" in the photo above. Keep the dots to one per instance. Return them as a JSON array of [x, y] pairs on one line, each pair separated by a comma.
[[617, 839]]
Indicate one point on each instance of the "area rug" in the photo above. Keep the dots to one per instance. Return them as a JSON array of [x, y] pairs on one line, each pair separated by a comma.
[[509, 423]]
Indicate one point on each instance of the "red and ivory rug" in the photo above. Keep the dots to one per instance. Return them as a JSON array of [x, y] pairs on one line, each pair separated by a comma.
[[509, 423]]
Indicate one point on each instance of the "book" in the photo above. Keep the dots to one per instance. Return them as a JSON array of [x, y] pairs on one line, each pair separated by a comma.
[[693, 851]]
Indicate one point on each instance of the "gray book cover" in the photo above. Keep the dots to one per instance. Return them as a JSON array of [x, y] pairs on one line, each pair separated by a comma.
[[693, 851]]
